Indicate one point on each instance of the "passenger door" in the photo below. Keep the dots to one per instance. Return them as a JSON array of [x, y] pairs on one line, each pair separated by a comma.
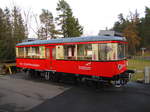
[[50, 57]]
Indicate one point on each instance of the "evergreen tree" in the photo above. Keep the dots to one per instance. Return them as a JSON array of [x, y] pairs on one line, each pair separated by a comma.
[[144, 28], [132, 35], [1, 34], [69, 25], [139, 28], [18, 33], [48, 27], [9, 46], [131, 32], [11, 32], [18, 28], [130, 29], [120, 25]]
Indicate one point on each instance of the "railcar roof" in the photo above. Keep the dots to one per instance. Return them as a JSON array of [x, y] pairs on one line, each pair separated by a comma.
[[74, 39]]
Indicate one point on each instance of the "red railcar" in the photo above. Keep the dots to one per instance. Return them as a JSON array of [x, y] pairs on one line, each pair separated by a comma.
[[94, 57]]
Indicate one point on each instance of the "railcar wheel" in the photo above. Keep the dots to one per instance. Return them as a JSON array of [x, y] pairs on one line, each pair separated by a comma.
[[76, 80], [29, 73], [88, 83], [47, 76], [95, 83], [56, 77]]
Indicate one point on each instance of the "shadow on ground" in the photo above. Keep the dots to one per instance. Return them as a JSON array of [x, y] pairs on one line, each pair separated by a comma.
[[133, 97]]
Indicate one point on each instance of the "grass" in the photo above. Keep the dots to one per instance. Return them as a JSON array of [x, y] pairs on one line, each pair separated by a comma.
[[138, 65], [145, 53]]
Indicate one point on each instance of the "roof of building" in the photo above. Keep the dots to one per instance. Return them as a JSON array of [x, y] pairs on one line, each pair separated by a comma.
[[29, 39], [74, 39], [109, 33]]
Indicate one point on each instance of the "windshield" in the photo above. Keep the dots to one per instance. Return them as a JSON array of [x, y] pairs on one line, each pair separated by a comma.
[[111, 51], [121, 51]]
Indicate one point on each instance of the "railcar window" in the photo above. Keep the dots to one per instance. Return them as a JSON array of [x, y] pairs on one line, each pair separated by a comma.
[[70, 52], [84, 52], [42, 51], [31, 52], [102, 51], [95, 52], [35, 52], [59, 52], [74, 52], [54, 53], [47, 53], [21, 52], [17, 55], [121, 51], [26, 52], [108, 51], [112, 53]]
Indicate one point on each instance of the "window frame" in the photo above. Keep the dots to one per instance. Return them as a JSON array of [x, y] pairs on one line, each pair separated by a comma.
[[97, 60], [25, 55], [29, 54]]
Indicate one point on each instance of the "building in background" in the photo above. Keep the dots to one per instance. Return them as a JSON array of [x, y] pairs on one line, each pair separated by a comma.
[[109, 33], [29, 39]]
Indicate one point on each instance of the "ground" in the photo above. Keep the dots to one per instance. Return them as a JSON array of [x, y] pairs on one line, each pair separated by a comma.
[[18, 93]]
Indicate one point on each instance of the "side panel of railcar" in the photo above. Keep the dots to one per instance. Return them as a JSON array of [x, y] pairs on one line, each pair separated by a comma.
[[38, 64], [104, 69]]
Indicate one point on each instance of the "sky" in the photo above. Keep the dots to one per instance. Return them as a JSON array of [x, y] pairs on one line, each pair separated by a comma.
[[93, 15]]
